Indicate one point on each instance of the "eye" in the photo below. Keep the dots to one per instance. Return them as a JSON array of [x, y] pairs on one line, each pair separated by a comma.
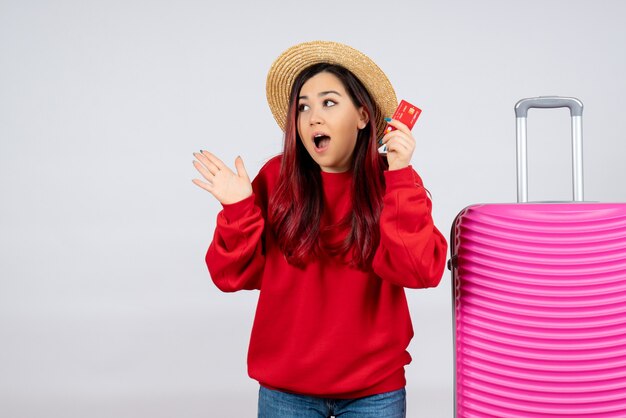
[[302, 107], [329, 103]]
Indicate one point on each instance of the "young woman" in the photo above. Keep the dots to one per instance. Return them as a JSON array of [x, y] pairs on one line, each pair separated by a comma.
[[331, 233]]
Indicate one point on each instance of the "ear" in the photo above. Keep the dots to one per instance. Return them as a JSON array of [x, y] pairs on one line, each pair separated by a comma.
[[364, 117]]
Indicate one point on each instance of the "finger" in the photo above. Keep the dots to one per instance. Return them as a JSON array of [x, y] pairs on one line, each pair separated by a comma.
[[241, 169], [396, 148], [398, 134], [214, 160], [206, 186], [400, 144], [206, 162], [204, 171], [399, 126]]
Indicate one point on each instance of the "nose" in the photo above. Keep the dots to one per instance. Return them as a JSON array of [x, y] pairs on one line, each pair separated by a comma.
[[315, 118]]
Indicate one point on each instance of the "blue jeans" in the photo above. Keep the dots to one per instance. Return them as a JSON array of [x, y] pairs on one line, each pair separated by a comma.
[[276, 404]]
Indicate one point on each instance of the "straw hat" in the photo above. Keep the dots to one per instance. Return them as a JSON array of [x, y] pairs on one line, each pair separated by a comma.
[[290, 63]]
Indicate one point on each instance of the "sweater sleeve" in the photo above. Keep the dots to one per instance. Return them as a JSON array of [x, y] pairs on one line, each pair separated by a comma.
[[412, 251], [236, 256]]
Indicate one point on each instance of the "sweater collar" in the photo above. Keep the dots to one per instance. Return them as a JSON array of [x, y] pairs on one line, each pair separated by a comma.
[[336, 179]]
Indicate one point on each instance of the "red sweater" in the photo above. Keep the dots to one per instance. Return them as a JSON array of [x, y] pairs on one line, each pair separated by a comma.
[[330, 330]]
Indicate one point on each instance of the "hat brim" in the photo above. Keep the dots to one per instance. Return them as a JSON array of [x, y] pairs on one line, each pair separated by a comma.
[[290, 63]]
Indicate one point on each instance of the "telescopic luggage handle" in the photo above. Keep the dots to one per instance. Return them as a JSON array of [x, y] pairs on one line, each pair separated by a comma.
[[549, 102]]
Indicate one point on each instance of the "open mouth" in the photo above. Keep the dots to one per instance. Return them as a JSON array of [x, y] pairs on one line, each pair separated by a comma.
[[321, 141]]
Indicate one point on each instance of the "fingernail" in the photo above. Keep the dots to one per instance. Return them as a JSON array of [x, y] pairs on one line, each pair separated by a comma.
[[380, 141], [387, 119]]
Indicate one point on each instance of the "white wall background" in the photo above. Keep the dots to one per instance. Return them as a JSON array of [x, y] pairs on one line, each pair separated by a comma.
[[106, 306]]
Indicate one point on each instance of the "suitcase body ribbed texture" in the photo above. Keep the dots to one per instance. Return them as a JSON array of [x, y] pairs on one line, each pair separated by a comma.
[[540, 310], [540, 299]]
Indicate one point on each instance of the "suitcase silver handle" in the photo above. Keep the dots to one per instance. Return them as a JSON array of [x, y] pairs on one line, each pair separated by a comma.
[[549, 102]]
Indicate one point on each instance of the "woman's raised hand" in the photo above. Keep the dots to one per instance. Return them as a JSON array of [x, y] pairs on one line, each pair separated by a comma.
[[227, 187], [400, 145]]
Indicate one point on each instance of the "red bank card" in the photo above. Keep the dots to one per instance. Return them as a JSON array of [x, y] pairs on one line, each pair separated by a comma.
[[405, 113]]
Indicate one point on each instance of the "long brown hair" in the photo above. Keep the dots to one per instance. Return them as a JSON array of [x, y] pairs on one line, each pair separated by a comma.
[[295, 209]]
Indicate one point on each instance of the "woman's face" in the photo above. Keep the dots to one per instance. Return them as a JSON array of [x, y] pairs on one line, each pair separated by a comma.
[[328, 122]]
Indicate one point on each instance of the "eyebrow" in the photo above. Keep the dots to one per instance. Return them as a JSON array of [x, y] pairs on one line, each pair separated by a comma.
[[323, 93]]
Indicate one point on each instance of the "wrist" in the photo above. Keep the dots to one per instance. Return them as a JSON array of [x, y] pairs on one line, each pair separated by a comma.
[[231, 200], [397, 166]]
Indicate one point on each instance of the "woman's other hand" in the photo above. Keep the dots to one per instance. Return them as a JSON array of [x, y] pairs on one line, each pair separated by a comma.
[[400, 145], [227, 187]]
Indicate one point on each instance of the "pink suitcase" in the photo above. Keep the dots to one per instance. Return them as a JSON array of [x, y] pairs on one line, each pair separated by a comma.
[[540, 299]]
